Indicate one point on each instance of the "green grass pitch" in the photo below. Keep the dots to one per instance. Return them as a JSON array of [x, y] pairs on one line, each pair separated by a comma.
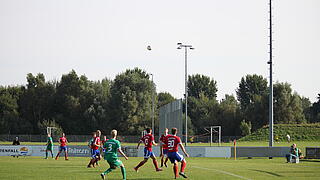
[[26, 168]]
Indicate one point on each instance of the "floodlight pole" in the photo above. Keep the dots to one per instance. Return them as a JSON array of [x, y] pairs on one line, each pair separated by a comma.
[[153, 89], [271, 81], [186, 47]]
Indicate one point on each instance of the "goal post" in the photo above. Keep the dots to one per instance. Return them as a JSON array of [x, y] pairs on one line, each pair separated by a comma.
[[49, 130], [214, 129]]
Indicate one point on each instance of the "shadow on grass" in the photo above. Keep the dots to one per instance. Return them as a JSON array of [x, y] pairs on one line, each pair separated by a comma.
[[267, 172]]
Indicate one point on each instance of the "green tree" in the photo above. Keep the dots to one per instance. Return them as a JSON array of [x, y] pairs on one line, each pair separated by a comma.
[[203, 112], [315, 111], [250, 87], [164, 98], [306, 106], [245, 128], [229, 115], [131, 99], [36, 101], [252, 94], [10, 120], [201, 84], [287, 106], [74, 97], [8, 110]]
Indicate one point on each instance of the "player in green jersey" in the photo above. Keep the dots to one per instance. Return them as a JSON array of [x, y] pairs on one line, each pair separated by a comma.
[[112, 146], [49, 146]]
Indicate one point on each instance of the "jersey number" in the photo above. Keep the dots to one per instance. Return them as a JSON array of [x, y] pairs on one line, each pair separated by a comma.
[[109, 148], [170, 143], [146, 141]]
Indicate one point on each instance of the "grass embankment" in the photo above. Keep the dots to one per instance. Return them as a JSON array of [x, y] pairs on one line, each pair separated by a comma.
[[297, 132]]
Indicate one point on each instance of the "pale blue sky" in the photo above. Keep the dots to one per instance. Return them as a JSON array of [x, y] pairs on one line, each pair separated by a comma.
[[101, 38]]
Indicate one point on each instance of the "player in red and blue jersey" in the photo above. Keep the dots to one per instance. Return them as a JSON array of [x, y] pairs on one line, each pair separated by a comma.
[[173, 141], [148, 141], [164, 148], [95, 150], [104, 141], [63, 146]]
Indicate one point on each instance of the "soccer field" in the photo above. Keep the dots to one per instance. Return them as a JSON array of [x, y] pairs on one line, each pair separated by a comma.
[[197, 168]]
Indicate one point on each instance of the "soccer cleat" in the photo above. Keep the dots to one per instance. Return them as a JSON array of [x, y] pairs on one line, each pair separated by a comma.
[[159, 169], [182, 174], [102, 176], [136, 169]]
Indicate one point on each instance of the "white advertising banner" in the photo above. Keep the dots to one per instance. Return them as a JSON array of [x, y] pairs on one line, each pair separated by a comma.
[[73, 151], [24, 150], [15, 151]]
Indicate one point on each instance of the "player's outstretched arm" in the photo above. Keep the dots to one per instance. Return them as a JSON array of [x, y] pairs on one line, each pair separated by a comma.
[[122, 153], [139, 144], [161, 150], [154, 143], [183, 150]]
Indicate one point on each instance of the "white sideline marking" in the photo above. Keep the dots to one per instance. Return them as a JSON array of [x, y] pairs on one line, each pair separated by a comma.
[[224, 172]]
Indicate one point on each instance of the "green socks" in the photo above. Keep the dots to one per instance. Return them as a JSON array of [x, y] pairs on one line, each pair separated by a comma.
[[123, 171], [107, 171]]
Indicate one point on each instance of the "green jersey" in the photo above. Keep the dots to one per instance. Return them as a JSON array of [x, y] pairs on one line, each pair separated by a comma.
[[111, 148], [90, 142], [49, 142]]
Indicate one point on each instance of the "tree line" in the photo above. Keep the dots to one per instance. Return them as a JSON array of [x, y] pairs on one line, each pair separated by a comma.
[[77, 105]]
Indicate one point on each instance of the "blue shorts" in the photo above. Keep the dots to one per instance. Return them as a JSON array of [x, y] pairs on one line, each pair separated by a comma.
[[95, 153], [63, 148], [147, 153], [165, 151], [175, 156]]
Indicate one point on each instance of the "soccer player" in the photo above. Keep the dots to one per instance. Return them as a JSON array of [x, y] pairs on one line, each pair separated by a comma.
[[90, 144], [172, 142], [102, 143], [148, 141], [63, 146], [95, 150], [49, 146], [104, 140], [112, 146], [164, 148]]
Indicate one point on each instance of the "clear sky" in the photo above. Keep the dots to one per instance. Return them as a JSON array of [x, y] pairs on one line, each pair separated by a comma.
[[102, 38]]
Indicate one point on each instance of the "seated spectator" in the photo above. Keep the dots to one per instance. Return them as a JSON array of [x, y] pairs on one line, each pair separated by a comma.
[[294, 153]]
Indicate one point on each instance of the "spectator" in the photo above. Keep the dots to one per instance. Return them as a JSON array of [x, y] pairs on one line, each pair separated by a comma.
[[294, 153], [15, 143]]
